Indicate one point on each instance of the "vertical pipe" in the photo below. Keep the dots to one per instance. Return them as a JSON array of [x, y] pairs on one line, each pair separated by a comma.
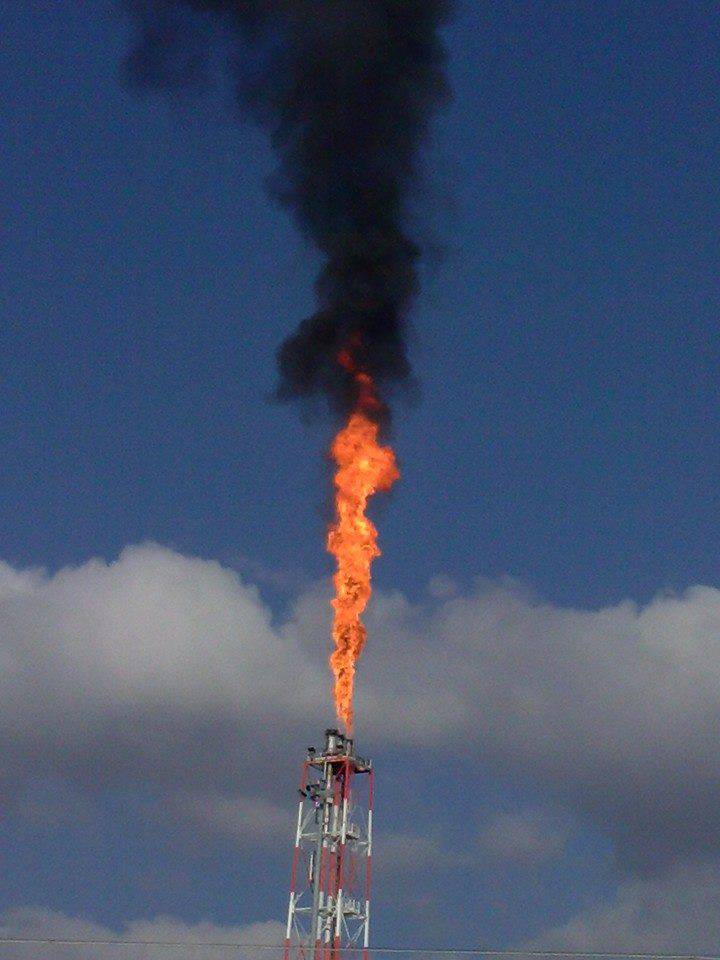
[[296, 857], [332, 866], [346, 784], [368, 864], [321, 843]]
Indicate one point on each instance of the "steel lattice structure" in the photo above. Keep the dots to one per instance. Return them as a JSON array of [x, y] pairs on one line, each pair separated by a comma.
[[329, 909]]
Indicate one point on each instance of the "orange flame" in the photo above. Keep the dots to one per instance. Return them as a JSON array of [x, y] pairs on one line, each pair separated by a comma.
[[364, 467]]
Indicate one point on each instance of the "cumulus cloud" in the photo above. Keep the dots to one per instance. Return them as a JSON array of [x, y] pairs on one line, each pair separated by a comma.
[[524, 837], [614, 711], [34, 923], [243, 820], [399, 855], [153, 668], [169, 671], [676, 912]]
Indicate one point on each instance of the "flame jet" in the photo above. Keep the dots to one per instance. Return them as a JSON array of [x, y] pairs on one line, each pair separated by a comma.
[[363, 467], [345, 90]]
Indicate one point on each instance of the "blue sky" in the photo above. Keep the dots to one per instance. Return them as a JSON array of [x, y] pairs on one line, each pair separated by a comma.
[[565, 343]]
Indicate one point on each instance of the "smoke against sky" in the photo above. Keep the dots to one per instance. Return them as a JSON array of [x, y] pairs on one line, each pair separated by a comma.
[[345, 91]]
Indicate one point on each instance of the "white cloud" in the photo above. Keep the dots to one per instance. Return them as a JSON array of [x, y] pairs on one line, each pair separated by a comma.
[[525, 837], [168, 671], [245, 821], [614, 711], [402, 855], [148, 668], [676, 912], [154, 628], [28, 923]]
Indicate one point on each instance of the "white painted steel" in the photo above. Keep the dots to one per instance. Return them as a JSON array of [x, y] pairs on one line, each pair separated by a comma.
[[291, 911], [333, 836]]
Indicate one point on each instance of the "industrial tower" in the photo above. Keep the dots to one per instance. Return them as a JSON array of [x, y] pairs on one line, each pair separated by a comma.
[[329, 909]]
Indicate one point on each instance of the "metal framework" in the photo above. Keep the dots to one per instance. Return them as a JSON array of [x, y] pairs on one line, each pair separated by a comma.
[[329, 909]]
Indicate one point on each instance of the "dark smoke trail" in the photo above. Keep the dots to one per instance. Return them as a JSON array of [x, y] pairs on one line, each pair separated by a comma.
[[346, 89]]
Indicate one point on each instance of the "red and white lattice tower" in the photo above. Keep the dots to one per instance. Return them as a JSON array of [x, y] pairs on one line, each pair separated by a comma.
[[329, 909]]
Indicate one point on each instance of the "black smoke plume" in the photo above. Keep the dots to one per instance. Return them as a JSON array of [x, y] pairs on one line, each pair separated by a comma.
[[346, 89]]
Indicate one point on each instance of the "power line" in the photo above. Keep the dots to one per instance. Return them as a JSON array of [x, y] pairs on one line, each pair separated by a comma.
[[410, 951]]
